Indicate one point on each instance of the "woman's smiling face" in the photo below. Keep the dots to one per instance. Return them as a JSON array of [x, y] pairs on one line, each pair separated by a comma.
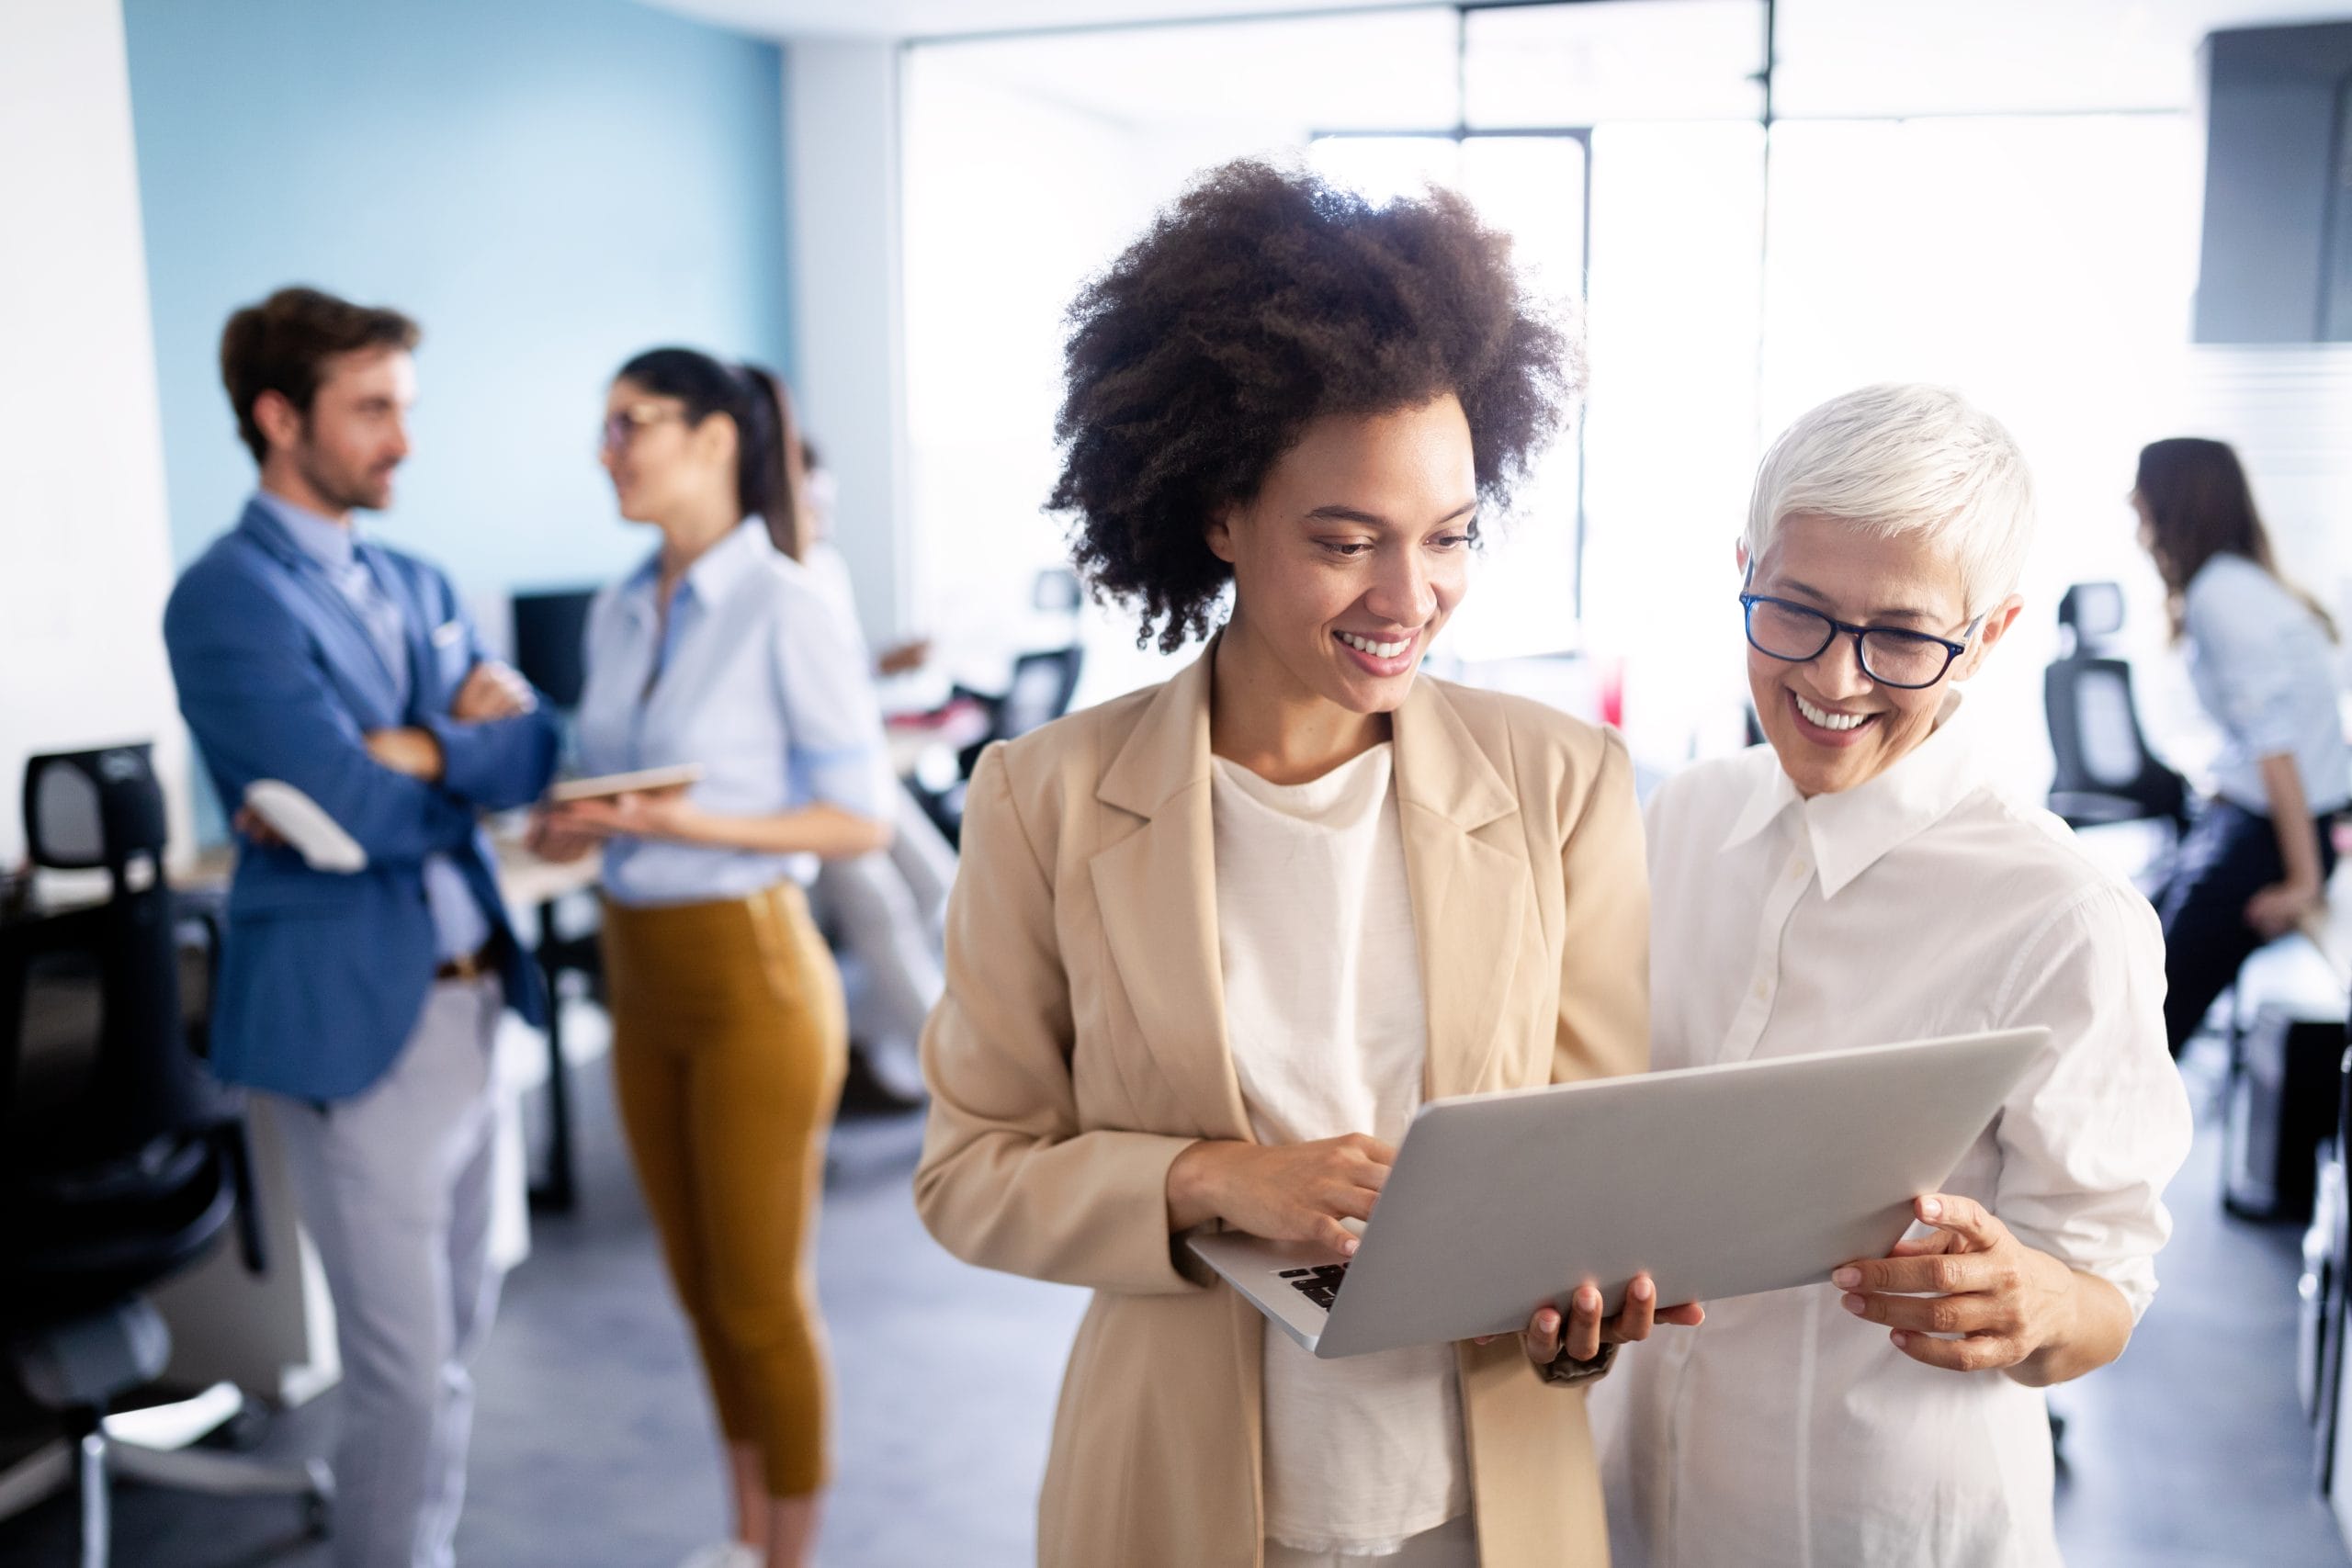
[[1355, 550], [1832, 726]]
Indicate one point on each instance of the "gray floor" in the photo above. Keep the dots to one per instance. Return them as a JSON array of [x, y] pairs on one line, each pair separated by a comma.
[[2192, 1452], [593, 1452]]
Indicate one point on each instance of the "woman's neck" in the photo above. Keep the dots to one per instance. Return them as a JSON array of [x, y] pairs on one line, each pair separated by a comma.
[[688, 535], [1261, 718]]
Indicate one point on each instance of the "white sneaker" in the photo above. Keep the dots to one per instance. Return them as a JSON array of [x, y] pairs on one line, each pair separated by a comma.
[[726, 1554]]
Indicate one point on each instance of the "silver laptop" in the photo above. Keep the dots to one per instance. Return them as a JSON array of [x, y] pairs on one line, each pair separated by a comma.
[[1720, 1181]]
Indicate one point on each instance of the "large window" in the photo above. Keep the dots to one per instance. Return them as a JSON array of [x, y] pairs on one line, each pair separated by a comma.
[[1027, 163], [2040, 261]]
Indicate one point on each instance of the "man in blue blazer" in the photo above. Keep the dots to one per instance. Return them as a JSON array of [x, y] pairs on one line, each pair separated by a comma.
[[363, 1003]]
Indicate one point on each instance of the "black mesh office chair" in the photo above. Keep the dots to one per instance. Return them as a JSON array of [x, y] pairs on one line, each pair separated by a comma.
[[121, 1161], [1041, 690], [1040, 693], [2105, 770]]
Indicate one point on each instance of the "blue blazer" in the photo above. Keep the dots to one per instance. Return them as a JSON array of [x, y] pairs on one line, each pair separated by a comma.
[[322, 976]]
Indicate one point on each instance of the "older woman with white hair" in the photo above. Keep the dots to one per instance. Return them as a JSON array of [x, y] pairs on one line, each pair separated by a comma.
[[1858, 882]]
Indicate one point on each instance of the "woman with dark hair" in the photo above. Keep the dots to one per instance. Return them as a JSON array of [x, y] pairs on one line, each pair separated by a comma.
[[729, 1038], [1214, 942], [2256, 862]]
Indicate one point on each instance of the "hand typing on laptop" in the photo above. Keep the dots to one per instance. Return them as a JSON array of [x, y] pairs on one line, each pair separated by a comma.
[[1285, 1192]]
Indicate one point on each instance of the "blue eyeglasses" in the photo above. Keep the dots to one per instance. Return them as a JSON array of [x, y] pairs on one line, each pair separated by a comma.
[[1798, 633]]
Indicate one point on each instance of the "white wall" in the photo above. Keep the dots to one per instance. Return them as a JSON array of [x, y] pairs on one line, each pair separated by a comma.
[[841, 136], [85, 556]]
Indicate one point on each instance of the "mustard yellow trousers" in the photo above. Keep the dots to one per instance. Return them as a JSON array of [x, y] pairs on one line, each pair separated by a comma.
[[730, 1040]]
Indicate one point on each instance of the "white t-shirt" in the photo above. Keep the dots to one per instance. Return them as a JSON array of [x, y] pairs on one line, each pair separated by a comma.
[[1330, 1036]]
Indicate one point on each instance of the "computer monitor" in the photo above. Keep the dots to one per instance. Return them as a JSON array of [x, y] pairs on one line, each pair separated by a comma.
[[548, 629]]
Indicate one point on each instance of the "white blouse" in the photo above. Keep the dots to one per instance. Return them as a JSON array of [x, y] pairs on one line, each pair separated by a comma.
[[1785, 1430], [1329, 1033], [2265, 672], [751, 676]]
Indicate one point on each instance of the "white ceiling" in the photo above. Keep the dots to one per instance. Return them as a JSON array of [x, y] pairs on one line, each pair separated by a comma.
[[934, 19], [1558, 64], [2086, 28]]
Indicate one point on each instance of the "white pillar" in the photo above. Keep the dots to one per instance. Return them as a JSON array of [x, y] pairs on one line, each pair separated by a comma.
[[84, 553], [841, 131]]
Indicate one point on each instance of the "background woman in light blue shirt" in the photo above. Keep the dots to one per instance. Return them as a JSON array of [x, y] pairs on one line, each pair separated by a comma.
[[729, 1034], [2257, 859]]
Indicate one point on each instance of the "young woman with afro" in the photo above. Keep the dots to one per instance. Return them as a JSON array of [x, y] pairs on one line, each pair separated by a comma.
[[1214, 942]]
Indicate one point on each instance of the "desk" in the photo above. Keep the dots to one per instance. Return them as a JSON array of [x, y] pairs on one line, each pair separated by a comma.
[[2329, 928], [913, 735], [527, 882]]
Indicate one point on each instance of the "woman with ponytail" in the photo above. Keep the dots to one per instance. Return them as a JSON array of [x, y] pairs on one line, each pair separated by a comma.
[[728, 1034], [2256, 864]]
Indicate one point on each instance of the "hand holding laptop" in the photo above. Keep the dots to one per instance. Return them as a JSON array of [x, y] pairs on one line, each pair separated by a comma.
[[1699, 1182], [1307, 1192], [1972, 1278], [1545, 1338]]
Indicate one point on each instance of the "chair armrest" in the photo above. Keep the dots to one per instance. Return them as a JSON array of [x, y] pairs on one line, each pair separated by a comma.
[[203, 912], [236, 1152]]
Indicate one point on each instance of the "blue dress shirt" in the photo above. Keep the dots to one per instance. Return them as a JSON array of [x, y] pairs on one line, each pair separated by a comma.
[[755, 677], [2264, 670], [459, 926]]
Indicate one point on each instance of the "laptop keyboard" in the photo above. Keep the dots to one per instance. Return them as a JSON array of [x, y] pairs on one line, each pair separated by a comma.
[[1319, 1285]]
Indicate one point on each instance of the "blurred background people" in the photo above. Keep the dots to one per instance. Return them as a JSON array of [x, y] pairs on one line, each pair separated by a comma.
[[2255, 864], [728, 1033], [885, 908], [363, 1004]]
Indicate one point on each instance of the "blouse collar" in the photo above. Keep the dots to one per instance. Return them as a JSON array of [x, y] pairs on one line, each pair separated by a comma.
[[1850, 830], [715, 570]]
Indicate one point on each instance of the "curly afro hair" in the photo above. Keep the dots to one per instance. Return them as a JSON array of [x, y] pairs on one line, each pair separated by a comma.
[[1261, 300]]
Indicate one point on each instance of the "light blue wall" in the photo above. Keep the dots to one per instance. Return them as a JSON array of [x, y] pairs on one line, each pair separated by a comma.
[[547, 185]]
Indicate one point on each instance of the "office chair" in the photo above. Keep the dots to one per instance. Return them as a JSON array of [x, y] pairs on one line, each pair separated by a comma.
[[1040, 693], [2105, 770], [1056, 591], [121, 1165], [1041, 690]]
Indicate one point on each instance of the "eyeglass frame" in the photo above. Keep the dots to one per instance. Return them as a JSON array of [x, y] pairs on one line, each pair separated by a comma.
[[1952, 650], [621, 429]]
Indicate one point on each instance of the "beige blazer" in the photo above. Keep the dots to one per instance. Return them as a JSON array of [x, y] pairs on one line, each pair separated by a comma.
[[1081, 1045]]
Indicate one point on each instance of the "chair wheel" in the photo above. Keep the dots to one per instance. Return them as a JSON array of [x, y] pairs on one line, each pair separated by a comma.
[[318, 1503], [244, 1432]]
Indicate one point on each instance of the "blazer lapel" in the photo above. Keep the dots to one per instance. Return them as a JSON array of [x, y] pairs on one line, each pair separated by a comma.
[[1470, 889], [1156, 892], [351, 654]]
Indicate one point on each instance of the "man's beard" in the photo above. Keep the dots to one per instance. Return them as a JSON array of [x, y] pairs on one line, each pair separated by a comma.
[[364, 491]]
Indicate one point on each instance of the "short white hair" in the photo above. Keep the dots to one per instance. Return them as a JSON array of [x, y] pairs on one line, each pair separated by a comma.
[[1903, 460]]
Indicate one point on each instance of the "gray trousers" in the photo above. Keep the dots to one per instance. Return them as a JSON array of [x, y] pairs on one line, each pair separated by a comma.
[[885, 908], [394, 1186]]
